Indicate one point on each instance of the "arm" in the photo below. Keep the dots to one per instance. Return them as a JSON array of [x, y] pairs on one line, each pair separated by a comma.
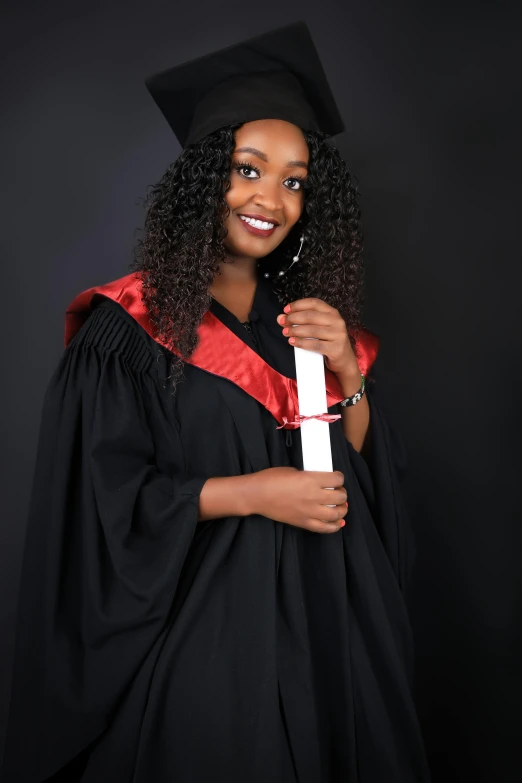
[[227, 496], [295, 497], [356, 418]]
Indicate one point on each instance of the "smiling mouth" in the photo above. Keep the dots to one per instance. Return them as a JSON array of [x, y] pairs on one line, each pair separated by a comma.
[[259, 228]]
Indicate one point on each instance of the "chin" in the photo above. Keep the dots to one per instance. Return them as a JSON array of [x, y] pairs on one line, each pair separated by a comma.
[[251, 249]]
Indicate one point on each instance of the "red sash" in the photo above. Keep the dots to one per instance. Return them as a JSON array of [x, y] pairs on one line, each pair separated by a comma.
[[220, 351]]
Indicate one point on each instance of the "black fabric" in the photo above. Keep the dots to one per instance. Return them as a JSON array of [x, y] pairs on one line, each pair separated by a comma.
[[276, 75], [152, 648], [248, 326]]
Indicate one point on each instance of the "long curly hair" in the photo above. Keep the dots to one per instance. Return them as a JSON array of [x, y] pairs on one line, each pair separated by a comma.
[[183, 241]]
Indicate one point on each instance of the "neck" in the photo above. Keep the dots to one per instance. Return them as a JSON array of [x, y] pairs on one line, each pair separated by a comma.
[[235, 287], [237, 269]]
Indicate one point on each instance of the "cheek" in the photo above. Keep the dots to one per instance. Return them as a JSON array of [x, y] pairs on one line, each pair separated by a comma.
[[293, 208], [237, 194]]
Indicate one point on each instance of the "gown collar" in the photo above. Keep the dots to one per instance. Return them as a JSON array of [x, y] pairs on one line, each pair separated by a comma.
[[220, 351]]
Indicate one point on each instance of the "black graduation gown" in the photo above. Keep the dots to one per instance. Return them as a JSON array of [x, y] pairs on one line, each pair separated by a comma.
[[152, 648]]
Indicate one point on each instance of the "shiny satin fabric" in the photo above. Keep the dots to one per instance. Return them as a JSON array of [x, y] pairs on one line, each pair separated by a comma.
[[221, 352]]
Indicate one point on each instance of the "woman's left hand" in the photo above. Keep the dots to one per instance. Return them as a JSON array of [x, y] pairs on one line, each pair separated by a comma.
[[316, 326]]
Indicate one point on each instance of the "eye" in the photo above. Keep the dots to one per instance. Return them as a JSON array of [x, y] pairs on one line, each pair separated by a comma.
[[295, 180], [240, 167]]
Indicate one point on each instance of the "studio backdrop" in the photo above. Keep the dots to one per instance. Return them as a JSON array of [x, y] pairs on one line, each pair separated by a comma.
[[428, 95]]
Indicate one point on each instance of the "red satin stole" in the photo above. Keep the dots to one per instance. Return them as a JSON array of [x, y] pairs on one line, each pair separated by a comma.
[[221, 352]]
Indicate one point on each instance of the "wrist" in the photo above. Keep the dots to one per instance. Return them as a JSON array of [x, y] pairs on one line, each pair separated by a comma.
[[226, 496], [350, 381], [247, 495]]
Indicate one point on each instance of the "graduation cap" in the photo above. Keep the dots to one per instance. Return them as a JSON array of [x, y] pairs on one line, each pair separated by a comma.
[[277, 75]]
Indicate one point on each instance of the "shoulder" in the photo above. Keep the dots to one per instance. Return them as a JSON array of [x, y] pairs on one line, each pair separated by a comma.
[[112, 318], [109, 328]]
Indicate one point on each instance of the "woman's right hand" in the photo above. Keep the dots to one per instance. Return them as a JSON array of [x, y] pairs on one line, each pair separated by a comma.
[[300, 498]]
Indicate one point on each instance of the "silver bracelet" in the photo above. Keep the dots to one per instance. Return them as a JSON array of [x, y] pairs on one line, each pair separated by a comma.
[[355, 398]]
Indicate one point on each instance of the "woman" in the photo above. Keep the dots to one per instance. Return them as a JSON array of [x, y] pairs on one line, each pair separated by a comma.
[[193, 605]]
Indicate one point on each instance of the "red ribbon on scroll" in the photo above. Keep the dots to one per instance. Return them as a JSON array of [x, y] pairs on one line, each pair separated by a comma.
[[293, 425]]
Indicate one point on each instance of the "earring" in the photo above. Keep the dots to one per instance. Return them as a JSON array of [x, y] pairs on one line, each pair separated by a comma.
[[294, 259]]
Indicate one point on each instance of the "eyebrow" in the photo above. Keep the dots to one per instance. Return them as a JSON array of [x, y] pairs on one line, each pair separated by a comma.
[[259, 154]]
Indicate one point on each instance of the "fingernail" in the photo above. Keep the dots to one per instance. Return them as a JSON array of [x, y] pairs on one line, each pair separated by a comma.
[[291, 340], [343, 523], [281, 319], [285, 331], [347, 504], [286, 309]]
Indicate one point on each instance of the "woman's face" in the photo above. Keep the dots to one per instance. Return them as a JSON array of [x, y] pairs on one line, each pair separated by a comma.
[[268, 165]]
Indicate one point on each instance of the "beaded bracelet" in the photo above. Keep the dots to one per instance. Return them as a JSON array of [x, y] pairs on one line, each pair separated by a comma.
[[355, 398]]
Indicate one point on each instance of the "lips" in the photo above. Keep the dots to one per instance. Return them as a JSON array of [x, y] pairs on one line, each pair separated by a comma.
[[258, 216], [259, 232]]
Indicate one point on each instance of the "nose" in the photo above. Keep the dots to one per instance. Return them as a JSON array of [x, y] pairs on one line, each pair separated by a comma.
[[269, 197]]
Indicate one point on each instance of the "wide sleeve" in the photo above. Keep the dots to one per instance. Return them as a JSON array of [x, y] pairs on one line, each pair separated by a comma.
[[107, 536], [381, 476]]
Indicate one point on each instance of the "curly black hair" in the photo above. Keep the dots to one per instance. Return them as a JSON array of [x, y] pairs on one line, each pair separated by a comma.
[[183, 243]]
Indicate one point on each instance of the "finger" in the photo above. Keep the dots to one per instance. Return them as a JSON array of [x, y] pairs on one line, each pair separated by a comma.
[[309, 344], [307, 317], [308, 304], [327, 479], [333, 496], [327, 333], [318, 526], [330, 514]]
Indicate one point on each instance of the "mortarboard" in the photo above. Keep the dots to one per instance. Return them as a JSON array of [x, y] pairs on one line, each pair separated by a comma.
[[277, 75]]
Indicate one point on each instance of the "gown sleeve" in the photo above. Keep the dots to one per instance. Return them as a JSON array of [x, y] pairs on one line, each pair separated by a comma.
[[381, 477], [107, 536]]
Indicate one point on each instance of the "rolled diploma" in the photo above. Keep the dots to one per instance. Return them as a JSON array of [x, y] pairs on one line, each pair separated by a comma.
[[311, 392]]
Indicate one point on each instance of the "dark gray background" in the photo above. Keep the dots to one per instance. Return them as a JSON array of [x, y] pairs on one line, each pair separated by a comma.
[[429, 94]]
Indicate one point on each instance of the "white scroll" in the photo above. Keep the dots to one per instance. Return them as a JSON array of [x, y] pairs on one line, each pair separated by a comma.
[[311, 391]]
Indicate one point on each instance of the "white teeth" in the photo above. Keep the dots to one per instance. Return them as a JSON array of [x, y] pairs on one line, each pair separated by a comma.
[[258, 223]]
